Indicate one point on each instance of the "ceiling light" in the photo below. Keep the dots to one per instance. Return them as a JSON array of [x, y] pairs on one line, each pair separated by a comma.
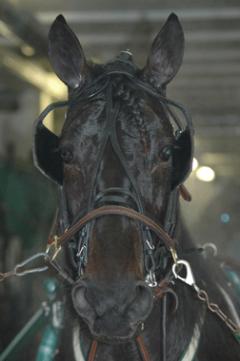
[[27, 50], [205, 174]]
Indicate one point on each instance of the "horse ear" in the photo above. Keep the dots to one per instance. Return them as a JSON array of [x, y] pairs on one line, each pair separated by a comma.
[[66, 54], [166, 53]]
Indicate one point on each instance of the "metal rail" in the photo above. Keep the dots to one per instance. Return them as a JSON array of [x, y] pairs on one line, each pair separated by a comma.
[[49, 314]]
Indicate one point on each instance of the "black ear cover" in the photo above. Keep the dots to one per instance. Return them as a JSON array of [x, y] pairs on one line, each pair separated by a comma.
[[46, 153], [182, 157]]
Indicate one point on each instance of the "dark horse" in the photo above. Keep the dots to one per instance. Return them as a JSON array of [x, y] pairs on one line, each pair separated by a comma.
[[124, 151]]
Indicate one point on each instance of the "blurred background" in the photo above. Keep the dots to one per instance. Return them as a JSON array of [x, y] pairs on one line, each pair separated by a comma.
[[208, 84]]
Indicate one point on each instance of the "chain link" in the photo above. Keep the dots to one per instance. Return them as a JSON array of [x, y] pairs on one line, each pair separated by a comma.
[[189, 279], [214, 308]]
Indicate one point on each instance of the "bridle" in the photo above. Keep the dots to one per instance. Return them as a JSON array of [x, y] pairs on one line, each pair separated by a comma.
[[117, 201]]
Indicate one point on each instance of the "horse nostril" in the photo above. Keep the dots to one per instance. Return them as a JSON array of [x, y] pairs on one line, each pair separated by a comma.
[[88, 300], [142, 304], [78, 294], [80, 302]]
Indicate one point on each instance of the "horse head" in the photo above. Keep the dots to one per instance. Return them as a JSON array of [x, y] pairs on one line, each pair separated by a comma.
[[121, 145]]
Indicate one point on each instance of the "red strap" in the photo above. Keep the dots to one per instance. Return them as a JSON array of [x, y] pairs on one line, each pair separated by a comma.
[[140, 342], [93, 351], [142, 348]]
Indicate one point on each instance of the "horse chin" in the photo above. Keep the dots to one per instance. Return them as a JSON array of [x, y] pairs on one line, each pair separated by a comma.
[[114, 340], [114, 336]]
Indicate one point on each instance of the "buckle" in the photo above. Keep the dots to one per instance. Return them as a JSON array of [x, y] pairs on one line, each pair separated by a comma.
[[174, 255], [53, 248]]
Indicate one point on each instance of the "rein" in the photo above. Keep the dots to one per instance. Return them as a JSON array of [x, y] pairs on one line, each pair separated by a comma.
[[139, 342]]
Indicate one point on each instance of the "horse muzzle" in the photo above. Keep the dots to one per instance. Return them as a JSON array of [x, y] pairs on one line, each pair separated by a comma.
[[113, 314]]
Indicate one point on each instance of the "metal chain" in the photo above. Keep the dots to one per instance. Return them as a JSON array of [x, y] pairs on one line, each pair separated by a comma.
[[20, 269], [189, 279], [150, 264], [213, 307]]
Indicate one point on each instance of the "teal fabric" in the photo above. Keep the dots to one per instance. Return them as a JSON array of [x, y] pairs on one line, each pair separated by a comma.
[[234, 279], [27, 203]]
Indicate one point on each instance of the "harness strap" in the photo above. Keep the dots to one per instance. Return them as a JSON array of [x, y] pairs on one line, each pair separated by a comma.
[[185, 194], [142, 348], [58, 242], [93, 351], [188, 355], [140, 343]]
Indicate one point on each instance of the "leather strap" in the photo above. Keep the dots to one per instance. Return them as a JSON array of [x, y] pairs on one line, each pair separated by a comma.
[[186, 195], [142, 349], [93, 351], [113, 210]]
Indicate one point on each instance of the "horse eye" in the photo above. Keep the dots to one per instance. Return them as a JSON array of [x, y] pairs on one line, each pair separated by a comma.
[[67, 155], [166, 153]]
